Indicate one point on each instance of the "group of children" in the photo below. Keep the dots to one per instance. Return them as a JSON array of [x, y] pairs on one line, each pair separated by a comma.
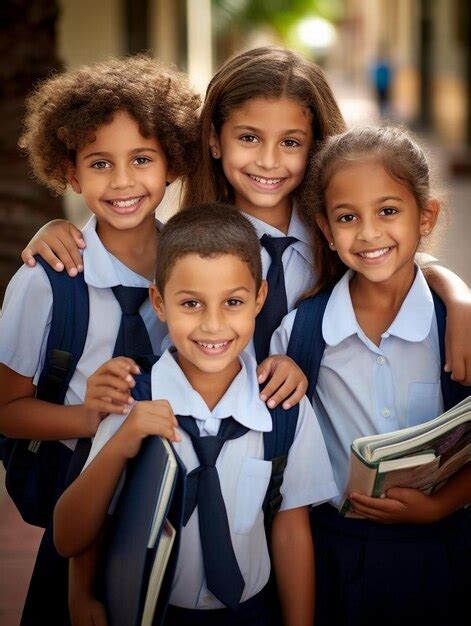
[[266, 162]]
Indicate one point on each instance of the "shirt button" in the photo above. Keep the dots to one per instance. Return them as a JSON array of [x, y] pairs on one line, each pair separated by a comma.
[[380, 360], [385, 412]]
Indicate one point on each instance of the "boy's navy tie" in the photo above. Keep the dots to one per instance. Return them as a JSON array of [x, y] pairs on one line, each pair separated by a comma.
[[276, 306], [132, 341], [133, 338], [223, 575]]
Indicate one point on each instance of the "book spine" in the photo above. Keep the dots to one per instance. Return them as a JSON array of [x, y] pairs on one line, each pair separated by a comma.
[[361, 478]]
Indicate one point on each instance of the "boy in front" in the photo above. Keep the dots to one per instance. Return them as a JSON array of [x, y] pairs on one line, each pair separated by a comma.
[[208, 289]]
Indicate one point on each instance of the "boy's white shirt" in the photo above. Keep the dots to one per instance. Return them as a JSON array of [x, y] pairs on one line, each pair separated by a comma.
[[243, 473], [365, 389], [27, 312]]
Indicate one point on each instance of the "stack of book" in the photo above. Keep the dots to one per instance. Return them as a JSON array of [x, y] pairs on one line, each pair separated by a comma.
[[421, 457]]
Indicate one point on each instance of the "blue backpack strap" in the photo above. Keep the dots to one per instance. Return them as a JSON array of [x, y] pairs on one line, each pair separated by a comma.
[[306, 345], [452, 391], [277, 443], [67, 335]]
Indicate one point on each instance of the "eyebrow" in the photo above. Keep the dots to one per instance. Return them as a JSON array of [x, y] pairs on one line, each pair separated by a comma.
[[346, 205], [190, 292], [289, 131], [108, 154]]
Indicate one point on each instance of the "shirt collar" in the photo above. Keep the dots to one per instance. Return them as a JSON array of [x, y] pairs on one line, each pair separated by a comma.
[[296, 228], [412, 323], [241, 400], [101, 268]]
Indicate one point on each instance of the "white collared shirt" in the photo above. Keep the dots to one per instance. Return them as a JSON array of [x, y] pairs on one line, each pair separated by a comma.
[[27, 312], [365, 389], [244, 474]]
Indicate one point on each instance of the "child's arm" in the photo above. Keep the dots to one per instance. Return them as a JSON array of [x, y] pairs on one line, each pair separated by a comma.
[[293, 562], [287, 382], [457, 298], [412, 506], [59, 243], [85, 610], [81, 510], [22, 416]]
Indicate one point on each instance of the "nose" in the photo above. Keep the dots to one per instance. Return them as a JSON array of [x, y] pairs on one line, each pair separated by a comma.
[[212, 321], [268, 156], [122, 177], [369, 230]]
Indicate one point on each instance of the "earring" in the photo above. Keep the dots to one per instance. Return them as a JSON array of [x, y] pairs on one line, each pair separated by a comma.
[[215, 153], [331, 244], [426, 232]]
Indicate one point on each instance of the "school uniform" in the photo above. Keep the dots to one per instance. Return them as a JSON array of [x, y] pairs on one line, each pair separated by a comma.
[[389, 574], [24, 330], [244, 476]]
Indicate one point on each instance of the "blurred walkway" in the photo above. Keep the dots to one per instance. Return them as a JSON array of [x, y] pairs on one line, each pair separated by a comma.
[[18, 541]]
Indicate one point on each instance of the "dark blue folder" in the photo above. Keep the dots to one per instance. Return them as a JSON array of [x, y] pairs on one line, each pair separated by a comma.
[[127, 559]]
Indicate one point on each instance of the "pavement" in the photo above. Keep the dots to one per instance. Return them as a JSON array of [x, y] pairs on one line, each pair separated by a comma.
[[19, 541]]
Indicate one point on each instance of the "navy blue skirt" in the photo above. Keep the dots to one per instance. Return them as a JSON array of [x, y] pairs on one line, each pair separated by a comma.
[[393, 575]]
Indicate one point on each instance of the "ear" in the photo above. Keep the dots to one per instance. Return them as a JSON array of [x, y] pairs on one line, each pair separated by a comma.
[[323, 224], [261, 297], [72, 179], [157, 302], [214, 144], [429, 216]]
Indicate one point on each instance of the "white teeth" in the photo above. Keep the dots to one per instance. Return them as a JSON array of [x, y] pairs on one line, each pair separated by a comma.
[[213, 346], [266, 181], [125, 204], [373, 254]]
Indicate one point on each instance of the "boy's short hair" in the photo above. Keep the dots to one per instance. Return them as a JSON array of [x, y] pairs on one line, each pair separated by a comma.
[[208, 230], [63, 112]]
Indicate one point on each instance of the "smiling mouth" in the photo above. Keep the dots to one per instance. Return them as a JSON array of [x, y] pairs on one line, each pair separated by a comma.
[[374, 254], [266, 182], [126, 205], [213, 348]]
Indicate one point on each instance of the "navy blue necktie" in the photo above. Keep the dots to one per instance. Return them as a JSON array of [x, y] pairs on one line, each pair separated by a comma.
[[133, 341], [133, 338], [223, 575], [276, 306]]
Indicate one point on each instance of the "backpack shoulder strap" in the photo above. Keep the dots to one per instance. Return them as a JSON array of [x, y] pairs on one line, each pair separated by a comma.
[[452, 391], [306, 345], [67, 335], [142, 390], [277, 443]]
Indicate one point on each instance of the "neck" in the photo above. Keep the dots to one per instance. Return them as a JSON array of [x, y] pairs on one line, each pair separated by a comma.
[[210, 385], [278, 217], [136, 248], [376, 304]]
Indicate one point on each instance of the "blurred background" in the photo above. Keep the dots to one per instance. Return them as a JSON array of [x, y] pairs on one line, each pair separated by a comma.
[[399, 61]]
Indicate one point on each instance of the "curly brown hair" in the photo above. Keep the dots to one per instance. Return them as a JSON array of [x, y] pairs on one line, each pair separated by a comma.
[[63, 112]]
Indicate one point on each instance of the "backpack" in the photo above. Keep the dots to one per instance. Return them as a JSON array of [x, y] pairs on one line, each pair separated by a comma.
[[34, 471], [306, 345]]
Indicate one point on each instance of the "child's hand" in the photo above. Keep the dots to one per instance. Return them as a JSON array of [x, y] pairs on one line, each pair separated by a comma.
[[154, 417], [287, 382], [458, 342], [87, 612], [400, 506], [108, 390], [58, 242]]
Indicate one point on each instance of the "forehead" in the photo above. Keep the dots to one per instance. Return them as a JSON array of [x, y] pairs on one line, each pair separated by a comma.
[[282, 113], [122, 131], [211, 275], [364, 180]]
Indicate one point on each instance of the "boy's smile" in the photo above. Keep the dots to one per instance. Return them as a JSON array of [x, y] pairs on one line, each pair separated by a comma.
[[264, 145], [121, 174], [209, 306]]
